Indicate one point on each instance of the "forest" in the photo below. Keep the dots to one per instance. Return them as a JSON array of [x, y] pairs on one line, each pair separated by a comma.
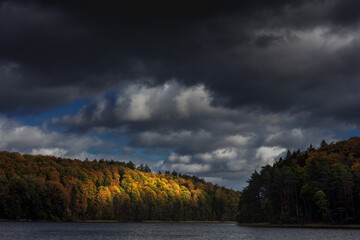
[[314, 186], [36, 187]]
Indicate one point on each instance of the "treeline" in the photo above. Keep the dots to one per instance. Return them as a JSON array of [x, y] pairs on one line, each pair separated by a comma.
[[314, 186], [51, 188]]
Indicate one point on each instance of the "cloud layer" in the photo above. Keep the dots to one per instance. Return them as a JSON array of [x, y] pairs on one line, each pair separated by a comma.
[[32, 139], [275, 54], [207, 139], [215, 88]]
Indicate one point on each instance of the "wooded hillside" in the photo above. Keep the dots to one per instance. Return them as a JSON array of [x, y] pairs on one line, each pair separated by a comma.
[[51, 188], [316, 185]]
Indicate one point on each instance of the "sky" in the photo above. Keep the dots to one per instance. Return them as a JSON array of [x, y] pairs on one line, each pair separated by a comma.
[[215, 89]]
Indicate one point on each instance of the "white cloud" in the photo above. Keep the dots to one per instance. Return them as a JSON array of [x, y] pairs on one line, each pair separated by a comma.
[[23, 138], [173, 157], [57, 152], [268, 154], [197, 101], [238, 140], [190, 168], [139, 103], [225, 153], [206, 157], [326, 39]]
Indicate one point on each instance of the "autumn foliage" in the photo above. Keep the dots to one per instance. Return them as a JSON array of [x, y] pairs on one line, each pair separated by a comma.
[[51, 188]]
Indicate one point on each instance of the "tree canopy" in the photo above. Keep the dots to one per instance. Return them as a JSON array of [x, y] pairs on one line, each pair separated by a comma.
[[316, 185], [49, 188]]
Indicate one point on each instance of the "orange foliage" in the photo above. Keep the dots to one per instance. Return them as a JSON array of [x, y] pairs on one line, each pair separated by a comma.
[[80, 190]]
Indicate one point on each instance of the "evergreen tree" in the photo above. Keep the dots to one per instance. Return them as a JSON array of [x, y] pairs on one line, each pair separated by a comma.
[[310, 148], [323, 144], [307, 187]]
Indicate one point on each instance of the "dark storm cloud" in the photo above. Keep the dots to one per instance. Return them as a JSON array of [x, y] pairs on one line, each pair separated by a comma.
[[237, 48], [346, 12]]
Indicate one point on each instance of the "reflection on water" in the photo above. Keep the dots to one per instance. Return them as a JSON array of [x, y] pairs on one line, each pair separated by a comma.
[[134, 231]]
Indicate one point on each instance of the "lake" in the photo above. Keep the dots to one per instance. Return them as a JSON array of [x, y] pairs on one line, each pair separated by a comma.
[[134, 231]]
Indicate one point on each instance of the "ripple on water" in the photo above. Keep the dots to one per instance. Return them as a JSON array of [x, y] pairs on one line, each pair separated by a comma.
[[136, 231]]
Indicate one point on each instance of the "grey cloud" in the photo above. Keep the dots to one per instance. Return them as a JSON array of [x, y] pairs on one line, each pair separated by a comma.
[[247, 74], [139, 106], [23, 138], [209, 138], [345, 12], [265, 41], [84, 52], [26, 139]]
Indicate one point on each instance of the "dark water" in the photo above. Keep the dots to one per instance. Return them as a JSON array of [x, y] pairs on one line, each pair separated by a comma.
[[134, 231]]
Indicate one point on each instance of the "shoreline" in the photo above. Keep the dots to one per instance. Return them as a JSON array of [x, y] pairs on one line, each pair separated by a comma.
[[314, 225], [113, 221]]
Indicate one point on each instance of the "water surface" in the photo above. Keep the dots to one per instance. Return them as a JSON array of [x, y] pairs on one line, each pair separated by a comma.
[[135, 231]]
